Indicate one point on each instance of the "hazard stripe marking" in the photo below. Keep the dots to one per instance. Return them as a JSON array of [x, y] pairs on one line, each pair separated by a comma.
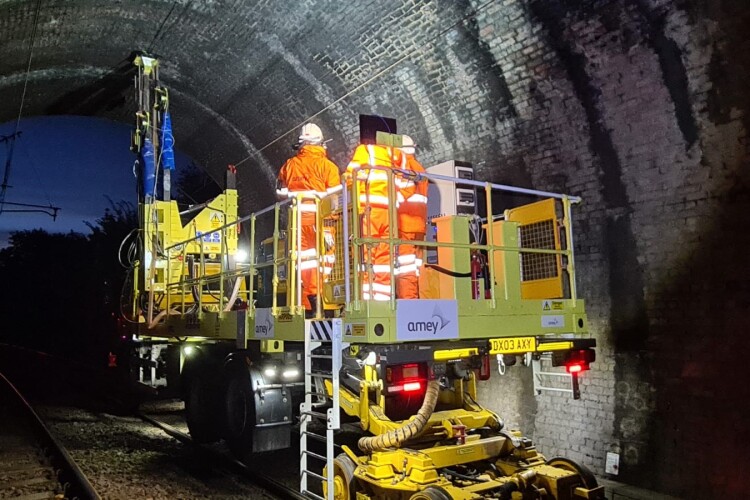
[[321, 330]]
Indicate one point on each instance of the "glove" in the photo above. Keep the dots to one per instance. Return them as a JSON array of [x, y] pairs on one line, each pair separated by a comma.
[[328, 240]]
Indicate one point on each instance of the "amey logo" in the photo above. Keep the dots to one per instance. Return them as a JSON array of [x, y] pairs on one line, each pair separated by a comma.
[[437, 322], [263, 329]]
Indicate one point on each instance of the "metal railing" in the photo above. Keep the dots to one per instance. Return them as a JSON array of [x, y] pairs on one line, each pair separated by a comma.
[[191, 292], [352, 231]]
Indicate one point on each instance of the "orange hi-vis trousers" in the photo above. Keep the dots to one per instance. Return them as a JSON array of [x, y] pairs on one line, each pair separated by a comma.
[[407, 271], [376, 286], [309, 258]]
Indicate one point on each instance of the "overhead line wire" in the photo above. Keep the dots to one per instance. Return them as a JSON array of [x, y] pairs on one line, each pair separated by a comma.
[[419, 51], [158, 30], [9, 158]]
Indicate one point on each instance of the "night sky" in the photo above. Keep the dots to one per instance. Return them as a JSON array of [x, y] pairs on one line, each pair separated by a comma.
[[72, 162]]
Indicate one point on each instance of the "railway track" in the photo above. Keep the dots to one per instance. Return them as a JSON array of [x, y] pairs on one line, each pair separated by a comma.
[[110, 447], [33, 464], [266, 482]]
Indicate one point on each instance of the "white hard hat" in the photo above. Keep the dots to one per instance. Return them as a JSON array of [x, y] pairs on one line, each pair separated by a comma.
[[311, 133], [407, 145]]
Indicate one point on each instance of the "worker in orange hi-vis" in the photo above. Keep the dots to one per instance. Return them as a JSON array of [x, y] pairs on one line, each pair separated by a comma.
[[412, 221], [372, 185], [311, 173]]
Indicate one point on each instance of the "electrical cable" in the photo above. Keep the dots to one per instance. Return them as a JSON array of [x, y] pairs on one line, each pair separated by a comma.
[[463, 477], [419, 51], [9, 158], [443, 270], [158, 30]]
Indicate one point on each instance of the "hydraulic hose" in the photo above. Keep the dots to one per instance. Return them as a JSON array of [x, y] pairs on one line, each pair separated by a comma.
[[396, 437]]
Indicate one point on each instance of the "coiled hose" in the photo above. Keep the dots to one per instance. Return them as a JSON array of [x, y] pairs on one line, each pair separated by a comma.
[[396, 437]]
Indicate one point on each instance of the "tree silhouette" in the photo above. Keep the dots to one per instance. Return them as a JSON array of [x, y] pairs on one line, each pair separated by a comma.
[[60, 292]]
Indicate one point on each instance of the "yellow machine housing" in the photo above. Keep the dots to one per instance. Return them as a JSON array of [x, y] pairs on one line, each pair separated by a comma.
[[192, 287]]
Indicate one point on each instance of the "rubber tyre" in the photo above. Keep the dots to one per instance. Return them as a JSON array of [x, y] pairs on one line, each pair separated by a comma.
[[201, 409], [240, 415], [431, 493], [587, 477]]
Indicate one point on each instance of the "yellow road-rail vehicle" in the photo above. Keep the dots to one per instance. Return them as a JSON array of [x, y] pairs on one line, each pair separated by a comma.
[[232, 332]]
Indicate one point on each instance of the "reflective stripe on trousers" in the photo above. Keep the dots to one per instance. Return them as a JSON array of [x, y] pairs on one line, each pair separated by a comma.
[[407, 279]]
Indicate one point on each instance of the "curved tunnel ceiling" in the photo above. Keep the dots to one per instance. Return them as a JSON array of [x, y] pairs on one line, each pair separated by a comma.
[[243, 73], [639, 106]]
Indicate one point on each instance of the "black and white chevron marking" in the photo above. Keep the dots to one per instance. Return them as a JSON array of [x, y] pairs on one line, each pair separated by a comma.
[[321, 330]]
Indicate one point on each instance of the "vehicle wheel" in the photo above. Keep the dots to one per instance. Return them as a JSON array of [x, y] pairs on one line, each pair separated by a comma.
[[202, 409], [431, 493], [240, 414], [344, 483], [587, 477]]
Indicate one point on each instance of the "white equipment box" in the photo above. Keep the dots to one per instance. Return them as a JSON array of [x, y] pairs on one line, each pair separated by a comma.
[[446, 198]]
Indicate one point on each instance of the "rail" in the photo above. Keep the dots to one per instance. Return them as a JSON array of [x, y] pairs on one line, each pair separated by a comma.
[[239, 467], [74, 482]]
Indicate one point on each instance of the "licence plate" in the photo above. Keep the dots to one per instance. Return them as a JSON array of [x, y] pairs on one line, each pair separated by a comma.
[[512, 345]]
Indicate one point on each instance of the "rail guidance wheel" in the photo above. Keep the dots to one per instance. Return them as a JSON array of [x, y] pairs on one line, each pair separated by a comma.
[[587, 477], [431, 493], [344, 484]]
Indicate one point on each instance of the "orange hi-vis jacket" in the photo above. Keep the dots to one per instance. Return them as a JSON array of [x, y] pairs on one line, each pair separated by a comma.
[[373, 183], [412, 197], [310, 171]]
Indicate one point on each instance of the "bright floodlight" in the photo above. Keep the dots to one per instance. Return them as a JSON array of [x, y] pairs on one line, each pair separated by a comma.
[[188, 350], [240, 255], [371, 359]]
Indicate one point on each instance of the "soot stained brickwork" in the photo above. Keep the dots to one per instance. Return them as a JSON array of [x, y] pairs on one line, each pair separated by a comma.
[[640, 107]]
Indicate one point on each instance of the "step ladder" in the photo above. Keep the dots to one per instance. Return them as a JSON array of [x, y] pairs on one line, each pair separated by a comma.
[[547, 378], [326, 333]]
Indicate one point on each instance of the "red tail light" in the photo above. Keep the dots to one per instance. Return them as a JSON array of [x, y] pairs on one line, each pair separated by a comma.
[[574, 368], [578, 361], [412, 386], [409, 378]]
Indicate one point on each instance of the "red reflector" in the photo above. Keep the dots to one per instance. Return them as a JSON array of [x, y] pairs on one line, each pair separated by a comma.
[[412, 386], [574, 368], [484, 371]]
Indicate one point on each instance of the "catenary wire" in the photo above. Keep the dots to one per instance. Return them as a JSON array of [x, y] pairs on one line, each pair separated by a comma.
[[9, 159]]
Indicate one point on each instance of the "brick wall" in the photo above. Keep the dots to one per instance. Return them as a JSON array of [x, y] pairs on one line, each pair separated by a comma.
[[639, 106]]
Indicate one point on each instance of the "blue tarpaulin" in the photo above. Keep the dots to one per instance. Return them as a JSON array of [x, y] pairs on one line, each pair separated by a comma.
[[149, 168], [167, 143]]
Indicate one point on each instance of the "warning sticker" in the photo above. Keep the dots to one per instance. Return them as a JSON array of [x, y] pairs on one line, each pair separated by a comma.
[[355, 330], [210, 237], [552, 305], [216, 219]]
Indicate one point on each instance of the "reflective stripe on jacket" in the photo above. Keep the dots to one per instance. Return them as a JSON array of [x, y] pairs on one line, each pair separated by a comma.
[[373, 183], [412, 197]]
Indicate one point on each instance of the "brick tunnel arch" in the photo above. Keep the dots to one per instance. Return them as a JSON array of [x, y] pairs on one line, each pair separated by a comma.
[[632, 105], [237, 87]]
